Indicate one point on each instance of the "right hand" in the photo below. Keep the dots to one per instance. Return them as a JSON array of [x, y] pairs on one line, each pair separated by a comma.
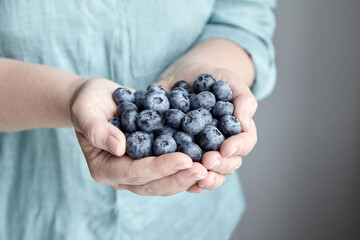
[[104, 147]]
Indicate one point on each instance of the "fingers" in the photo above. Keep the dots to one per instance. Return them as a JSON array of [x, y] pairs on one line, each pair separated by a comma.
[[170, 185], [212, 181], [195, 189], [125, 170], [240, 144], [216, 162], [245, 107]]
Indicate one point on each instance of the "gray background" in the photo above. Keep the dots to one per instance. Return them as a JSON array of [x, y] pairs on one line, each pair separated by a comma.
[[302, 180]]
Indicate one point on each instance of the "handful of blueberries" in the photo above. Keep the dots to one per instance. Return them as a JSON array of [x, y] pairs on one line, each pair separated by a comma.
[[189, 120]]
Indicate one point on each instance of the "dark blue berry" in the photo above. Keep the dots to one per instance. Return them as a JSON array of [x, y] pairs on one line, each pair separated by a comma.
[[116, 122], [149, 120], [156, 88], [139, 145], [204, 82], [156, 101], [229, 125], [204, 99], [191, 91], [222, 91], [173, 117], [179, 100], [181, 89], [164, 144], [222, 108], [192, 150], [182, 84], [181, 137], [124, 106], [210, 138], [195, 120], [128, 120], [214, 122], [139, 98], [165, 130], [123, 94]]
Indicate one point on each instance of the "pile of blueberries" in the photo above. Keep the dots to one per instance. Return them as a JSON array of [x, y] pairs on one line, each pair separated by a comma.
[[189, 120]]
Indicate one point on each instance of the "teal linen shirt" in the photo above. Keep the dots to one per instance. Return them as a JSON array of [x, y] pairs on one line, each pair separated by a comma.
[[46, 191]]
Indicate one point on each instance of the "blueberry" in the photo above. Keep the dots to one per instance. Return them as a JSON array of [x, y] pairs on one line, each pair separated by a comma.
[[222, 91], [116, 122], [173, 117], [210, 138], [182, 84], [195, 120], [126, 134], [191, 91], [139, 145], [204, 82], [181, 89], [164, 144], [182, 137], [229, 125], [204, 99], [156, 101], [125, 106], [139, 98], [165, 130], [149, 120], [179, 100], [156, 88], [128, 120], [123, 94], [191, 149], [222, 108], [214, 122]]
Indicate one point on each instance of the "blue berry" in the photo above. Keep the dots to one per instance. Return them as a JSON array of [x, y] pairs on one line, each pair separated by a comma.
[[204, 82], [124, 106], [139, 98], [222, 91], [222, 108], [182, 137], [229, 125], [123, 94], [210, 138], [116, 122], [165, 130], [128, 120], [192, 150], [204, 99], [156, 88], [179, 100], [173, 117], [191, 91], [195, 120], [156, 101], [214, 122], [149, 120], [182, 84], [180, 89], [139, 145], [164, 144]]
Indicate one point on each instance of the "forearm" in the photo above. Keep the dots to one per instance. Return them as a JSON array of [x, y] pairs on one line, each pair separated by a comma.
[[220, 53], [33, 96]]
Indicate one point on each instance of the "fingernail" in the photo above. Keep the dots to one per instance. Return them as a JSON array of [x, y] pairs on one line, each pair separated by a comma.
[[196, 177], [233, 152], [246, 120], [179, 167], [113, 145], [215, 164]]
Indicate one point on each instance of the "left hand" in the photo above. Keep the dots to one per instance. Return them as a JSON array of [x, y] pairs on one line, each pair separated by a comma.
[[229, 157]]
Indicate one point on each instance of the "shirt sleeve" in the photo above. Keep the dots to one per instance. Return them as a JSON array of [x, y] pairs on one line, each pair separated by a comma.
[[250, 24]]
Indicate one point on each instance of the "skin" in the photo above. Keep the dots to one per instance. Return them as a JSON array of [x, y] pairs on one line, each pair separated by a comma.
[[58, 99]]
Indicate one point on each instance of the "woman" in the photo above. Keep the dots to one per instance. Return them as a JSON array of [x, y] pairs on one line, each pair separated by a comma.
[[56, 59]]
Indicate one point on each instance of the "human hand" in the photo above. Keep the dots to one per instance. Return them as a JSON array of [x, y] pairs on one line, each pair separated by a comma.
[[104, 147], [229, 157]]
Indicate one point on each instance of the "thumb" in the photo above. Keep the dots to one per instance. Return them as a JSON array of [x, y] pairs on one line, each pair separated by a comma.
[[102, 134]]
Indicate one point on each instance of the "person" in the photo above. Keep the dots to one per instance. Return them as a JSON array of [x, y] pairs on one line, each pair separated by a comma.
[[60, 63]]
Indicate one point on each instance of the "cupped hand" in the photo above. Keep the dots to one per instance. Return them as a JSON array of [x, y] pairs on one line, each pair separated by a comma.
[[104, 147], [229, 157]]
